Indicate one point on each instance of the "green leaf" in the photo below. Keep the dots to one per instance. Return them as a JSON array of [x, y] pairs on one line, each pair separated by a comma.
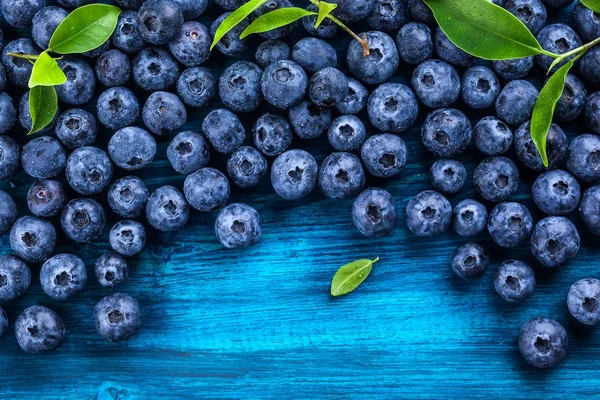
[[484, 29], [235, 18], [275, 19], [324, 10], [43, 104], [543, 111], [593, 5], [350, 276], [85, 28], [46, 72]]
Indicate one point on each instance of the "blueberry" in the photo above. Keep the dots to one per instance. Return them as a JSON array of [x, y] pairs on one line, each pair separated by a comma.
[[313, 54], [188, 152], [384, 155], [308, 120], [25, 116], [514, 281], [341, 176], [160, 21], [32, 239], [192, 9], [196, 86], [154, 69], [89, 170], [270, 51], [81, 81], [583, 301], [167, 209], [98, 51], [10, 154], [419, 11], [113, 68], [127, 36], [572, 101], [588, 209], [528, 153], [229, 5], [531, 12], [18, 70], [387, 15], [392, 107], [381, 62], [589, 66], [469, 260], [414, 43], [3, 322], [557, 39], [224, 130], [8, 113], [492, 136], [272, 134], [542, 342], [374, 212], [163, 113], [246, 167], [15, 277], [271, 5], [327, 30], [554, 241], [117, 108], [446, 132], [43, 157], [39, 330], [557, 3], [448, 176], [480, 87], [111, 270], [355, 100], [132, 148], [192, 45], [79, 3], [63, 276], [583, 158], [346, 133], [351, 11], [449, 52], [470, 218], [591, 116], [237, 226], [328, 87], [284, 83], [436, 83], [206, 189], [20, 13], [44, 24], [294, 174], [586, 22], [496, 178], [117, 317], [515, 103], [230, 44], [46, 198], [127, 238], [510, 224], [127, 196], [76, 128], [8, 211], [513, 69], [556, 192], [239, 86], [83, 220], [428, 213]]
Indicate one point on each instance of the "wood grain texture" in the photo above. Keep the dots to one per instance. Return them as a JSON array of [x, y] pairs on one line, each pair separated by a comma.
[[260, 323]]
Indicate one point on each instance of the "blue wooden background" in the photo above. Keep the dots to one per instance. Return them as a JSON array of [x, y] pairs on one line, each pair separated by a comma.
[[260, 323]]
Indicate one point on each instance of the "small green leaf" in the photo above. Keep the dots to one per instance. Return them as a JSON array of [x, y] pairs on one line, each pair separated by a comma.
[[350, 276], [324, 10], [593, 5], [543, 111], [85, 28], [235, 18], [43, 104], [46, 72], [484, 29], [275, 19]]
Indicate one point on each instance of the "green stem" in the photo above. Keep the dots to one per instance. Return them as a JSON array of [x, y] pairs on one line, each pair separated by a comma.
[[25, 56], [580, 50]]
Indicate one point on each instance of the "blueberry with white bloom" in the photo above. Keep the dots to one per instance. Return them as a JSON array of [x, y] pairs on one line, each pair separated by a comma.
[[510, 224], [492, 136], [132, 148], [414, 43], [346, 133], [39, 330], [341, 176], [46, 198], [15, 277], [309, 120], [206, 189], [556, 192], [428, 213], [543, 342], [470, 218], [272, 134], [448, 176], [436, 83], [446, 132], [496, 178], [355, 100], [117, 317], [555, 241], [89, 170], [83, 220], [384, 155], [480, 87], [374, 212], [127, 238], [63, 276], [583, 158], [246, 167], [381, 62], [469, 260], [238, 225], [294, 174], [514, 281], [167, 209], [8, 211], [188, 152], [583, 301], [111, 269], [589, 209], [32, 239], [392, 107]]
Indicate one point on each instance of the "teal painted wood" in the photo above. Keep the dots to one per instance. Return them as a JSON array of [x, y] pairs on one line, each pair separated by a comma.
[[260, 323]]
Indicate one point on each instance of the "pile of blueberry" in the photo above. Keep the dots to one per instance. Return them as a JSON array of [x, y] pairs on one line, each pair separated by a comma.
[[159, 47]]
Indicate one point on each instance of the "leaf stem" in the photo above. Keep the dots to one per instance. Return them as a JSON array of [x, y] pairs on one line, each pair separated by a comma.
[[25, 56], [580, 50]]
